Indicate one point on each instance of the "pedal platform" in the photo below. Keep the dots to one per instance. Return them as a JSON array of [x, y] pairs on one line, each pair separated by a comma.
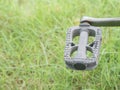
[[80, 61]]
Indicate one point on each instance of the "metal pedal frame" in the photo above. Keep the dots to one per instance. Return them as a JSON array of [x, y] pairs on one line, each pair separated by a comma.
[[87, 28]]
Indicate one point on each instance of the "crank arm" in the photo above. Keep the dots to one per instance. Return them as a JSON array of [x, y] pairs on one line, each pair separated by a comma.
[[101, 21]]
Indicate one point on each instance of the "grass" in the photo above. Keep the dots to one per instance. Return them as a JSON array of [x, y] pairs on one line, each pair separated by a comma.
[[32, 41]]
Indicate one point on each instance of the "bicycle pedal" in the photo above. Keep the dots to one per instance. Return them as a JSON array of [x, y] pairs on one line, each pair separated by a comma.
[[80, 61]]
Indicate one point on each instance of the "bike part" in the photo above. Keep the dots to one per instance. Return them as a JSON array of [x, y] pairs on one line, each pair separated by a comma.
[[86, 29], [101, 21]]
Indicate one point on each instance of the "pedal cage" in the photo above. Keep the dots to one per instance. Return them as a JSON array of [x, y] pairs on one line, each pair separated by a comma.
[[82, 62]]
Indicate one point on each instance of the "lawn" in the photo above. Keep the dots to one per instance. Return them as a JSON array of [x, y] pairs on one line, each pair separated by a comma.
[[32, 42]]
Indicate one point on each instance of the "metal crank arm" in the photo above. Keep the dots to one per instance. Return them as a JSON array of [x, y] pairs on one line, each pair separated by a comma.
[[86, 29], [101, 21]]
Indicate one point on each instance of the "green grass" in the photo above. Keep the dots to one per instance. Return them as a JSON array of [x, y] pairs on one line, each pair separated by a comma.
[[32, 41]]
